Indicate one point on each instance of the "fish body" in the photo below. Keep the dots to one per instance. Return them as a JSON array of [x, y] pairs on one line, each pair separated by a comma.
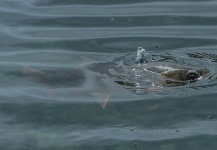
[[167, 72], [104, 79]]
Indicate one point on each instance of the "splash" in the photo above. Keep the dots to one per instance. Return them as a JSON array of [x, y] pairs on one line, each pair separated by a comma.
[[142, 56]]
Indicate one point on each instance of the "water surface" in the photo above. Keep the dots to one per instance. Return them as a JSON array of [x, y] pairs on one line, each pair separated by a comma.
[[52, 34]]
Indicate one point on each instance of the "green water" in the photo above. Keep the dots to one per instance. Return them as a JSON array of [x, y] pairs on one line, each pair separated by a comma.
[[53, 34]]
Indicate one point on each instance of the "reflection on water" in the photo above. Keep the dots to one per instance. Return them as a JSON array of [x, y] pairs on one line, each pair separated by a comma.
[[53, 35]]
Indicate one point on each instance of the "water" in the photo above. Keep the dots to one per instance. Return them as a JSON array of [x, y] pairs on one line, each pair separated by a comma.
[[52, 35]]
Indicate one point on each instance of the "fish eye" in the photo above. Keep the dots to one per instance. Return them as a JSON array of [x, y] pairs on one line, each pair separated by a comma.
[[204, 71], [192, 75]]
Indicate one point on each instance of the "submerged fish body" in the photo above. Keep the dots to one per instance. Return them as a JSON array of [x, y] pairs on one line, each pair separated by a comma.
[[101, 78], [74, 81], [72, 77], [168, 74]]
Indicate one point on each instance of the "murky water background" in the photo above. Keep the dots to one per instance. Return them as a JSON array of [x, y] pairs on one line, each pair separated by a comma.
[[54, 34]]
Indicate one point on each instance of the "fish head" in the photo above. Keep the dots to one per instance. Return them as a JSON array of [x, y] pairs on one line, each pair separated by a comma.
[[186, 75], [203, 71], [197, 74]]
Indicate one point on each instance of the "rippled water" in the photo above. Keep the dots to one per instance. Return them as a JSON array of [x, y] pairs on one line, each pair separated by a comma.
[[52, 35]]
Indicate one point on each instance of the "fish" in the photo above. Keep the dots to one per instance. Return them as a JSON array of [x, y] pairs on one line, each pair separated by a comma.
[[155, 74]]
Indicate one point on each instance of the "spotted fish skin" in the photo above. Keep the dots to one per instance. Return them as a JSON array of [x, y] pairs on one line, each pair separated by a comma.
[[177, 74]]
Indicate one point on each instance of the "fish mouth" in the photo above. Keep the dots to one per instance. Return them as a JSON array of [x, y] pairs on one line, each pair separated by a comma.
[[192, 75]]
